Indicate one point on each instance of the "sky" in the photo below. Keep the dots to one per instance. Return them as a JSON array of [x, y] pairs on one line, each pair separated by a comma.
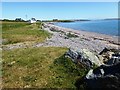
[[60, 0], [59, 10]]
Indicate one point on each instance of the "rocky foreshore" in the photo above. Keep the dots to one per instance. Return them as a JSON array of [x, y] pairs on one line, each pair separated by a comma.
[[65, 37], [98, 52], [105, 76], [81, 40], [87, 48]]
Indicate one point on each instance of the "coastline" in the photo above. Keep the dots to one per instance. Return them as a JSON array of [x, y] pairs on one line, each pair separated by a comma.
[[95, 42], [87, 34], [84, 44]]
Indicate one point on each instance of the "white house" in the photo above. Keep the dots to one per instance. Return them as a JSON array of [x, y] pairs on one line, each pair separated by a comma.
[[32, 20]]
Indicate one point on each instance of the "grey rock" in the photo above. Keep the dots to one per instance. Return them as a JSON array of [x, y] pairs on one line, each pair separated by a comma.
[[83, 56], [114, 59], [110, 55], [104, 77], [92, 57]]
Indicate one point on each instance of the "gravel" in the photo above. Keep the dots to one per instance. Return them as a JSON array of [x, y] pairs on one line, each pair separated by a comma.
[[85, 40], [81, 42]]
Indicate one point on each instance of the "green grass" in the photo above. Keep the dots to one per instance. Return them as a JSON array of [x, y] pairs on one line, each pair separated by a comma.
[[44, 67], [16, 32], [70, 35]]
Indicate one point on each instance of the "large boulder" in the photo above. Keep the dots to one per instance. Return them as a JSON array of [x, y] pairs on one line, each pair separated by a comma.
[[84, 57], [107, 54], [114, 59], [92, 57], [104, 76]]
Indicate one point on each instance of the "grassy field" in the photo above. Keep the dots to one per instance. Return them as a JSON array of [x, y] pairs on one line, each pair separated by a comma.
[[43, 67], [16, 32]]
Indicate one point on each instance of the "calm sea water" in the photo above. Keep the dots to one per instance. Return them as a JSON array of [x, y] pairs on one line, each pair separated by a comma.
[[109, 27]]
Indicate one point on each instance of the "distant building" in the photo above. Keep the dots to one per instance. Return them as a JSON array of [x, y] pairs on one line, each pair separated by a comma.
[[32, 20]]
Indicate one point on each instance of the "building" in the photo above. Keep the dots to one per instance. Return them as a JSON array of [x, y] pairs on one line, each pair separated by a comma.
[[32, 20]]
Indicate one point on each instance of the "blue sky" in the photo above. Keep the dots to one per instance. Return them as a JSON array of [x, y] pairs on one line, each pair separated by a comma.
[[60, 10]]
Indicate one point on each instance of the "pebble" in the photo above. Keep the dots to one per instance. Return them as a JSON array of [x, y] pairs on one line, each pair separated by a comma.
[[58, 40]]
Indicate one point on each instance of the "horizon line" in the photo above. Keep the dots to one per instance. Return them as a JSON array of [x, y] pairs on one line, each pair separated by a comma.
[[66, 19]]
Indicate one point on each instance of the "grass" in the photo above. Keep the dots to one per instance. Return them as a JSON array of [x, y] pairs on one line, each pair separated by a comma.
[[16, 32], [44, 67], [70, 35], [57, 30]]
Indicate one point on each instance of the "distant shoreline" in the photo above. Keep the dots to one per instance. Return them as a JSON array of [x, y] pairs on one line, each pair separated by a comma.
[[53, 23], [107, 27], [87, 34]]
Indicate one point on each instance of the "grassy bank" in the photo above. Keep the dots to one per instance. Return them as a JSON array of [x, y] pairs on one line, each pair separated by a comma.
[[43, 67], [16, 32]]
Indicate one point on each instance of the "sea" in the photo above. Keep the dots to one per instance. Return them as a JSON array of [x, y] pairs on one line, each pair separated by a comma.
[[108, 27]]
